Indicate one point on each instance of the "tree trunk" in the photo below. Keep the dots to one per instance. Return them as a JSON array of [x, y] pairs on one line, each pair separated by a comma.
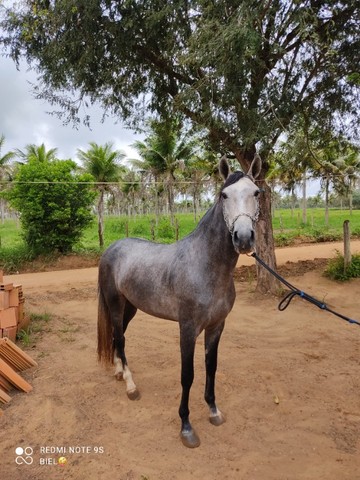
[[157, 206], [265, 247], [293, 202], [194, 205], [304, 216], [347, 251], [2, 205], [170, 189], [350, 197], [101, 219], [326, 202]]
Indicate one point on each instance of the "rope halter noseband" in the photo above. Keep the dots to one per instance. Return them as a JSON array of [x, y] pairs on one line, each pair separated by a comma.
[[231, 225]]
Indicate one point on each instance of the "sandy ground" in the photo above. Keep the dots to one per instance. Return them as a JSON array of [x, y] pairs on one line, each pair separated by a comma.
[[288, 383]]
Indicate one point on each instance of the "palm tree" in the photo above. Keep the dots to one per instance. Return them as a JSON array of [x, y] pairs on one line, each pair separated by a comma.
[[337, 164], [102, 162], [296, 159], [39, 153], [130, 188], [162, 153], [4, 173], [288, 175], [199, 169]]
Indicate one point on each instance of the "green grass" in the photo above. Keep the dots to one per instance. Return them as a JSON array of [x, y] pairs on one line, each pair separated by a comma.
[[288, 229], [137, 226], [38, 324]]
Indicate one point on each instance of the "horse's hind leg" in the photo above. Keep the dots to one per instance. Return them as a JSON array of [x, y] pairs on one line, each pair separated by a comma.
[[122, 371], [212, 338], [129, 313]]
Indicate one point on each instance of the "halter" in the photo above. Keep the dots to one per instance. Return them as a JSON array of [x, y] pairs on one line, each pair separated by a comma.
[[231, 225]]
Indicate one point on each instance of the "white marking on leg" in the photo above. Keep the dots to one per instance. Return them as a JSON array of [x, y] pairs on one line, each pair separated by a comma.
[[216, 417], [215, 413], [130, 385], [118, 367]]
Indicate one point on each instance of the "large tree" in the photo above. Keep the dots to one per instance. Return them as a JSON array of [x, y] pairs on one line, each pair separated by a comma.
[[242, 70]]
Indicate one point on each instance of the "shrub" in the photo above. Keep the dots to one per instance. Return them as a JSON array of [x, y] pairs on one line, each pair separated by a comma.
[[54, 207], [140, 230], [326, 235], [165, 229], [335, 269]]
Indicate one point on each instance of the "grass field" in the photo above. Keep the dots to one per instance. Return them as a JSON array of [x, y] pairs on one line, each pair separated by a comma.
[[288, 228]]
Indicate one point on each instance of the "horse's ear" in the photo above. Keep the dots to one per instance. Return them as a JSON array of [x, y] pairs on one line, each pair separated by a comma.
[[224, 168], [255, 167]]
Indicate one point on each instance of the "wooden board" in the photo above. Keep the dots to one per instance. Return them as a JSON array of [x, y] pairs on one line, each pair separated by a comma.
[[4, 397], [14, 356], [13, 377]]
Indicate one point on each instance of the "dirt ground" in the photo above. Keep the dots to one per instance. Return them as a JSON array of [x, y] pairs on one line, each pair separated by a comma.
[[288, 383]]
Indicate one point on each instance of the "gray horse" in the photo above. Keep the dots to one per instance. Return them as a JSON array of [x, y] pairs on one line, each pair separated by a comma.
[[190, 282]]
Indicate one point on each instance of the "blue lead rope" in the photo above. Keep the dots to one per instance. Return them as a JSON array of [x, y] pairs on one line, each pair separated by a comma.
[[285, 302]]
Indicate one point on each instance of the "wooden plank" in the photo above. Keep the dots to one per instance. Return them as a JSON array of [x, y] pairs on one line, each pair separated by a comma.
[[5, 384], [14, 377], [4, 397], [11, 360], [6, 344]]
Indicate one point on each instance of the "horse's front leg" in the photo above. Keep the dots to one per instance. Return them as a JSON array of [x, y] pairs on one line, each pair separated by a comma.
[[187, 345], [212, 338]]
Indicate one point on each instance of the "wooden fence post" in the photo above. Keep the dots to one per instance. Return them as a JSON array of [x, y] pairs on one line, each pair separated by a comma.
[[347, 252], [176, 229]]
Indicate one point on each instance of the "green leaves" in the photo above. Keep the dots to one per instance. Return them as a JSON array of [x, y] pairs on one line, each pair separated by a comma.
[[241, 70], [54, 204]]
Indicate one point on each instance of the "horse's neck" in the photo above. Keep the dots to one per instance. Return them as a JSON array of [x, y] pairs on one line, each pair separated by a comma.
[[215, 236]]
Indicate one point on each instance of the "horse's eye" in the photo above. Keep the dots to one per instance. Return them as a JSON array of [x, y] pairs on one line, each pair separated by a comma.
[[224, 196], [256, 194]]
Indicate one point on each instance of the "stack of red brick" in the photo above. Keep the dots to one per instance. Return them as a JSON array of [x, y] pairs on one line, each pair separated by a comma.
[[12, 317]]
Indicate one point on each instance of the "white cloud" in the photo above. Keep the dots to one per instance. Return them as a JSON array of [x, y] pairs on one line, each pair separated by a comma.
[[24, 120]]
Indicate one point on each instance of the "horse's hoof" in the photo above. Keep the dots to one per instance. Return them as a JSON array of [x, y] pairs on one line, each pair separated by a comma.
[[133, 394], [217, 420], [190, 439], [119, 376]]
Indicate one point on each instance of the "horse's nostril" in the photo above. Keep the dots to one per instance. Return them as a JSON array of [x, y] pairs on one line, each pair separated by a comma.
[[252, 235]]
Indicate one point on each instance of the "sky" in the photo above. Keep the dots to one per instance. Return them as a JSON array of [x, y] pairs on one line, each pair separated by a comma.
[[24, 120]]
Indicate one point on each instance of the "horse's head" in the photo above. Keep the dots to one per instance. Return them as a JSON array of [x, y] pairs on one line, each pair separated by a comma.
[[239, 197]]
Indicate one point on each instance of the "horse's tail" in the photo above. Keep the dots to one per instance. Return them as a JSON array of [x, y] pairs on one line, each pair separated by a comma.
[[105, 347]]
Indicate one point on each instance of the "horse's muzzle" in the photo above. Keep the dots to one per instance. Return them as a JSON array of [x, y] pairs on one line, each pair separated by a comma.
[[243, 242]]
